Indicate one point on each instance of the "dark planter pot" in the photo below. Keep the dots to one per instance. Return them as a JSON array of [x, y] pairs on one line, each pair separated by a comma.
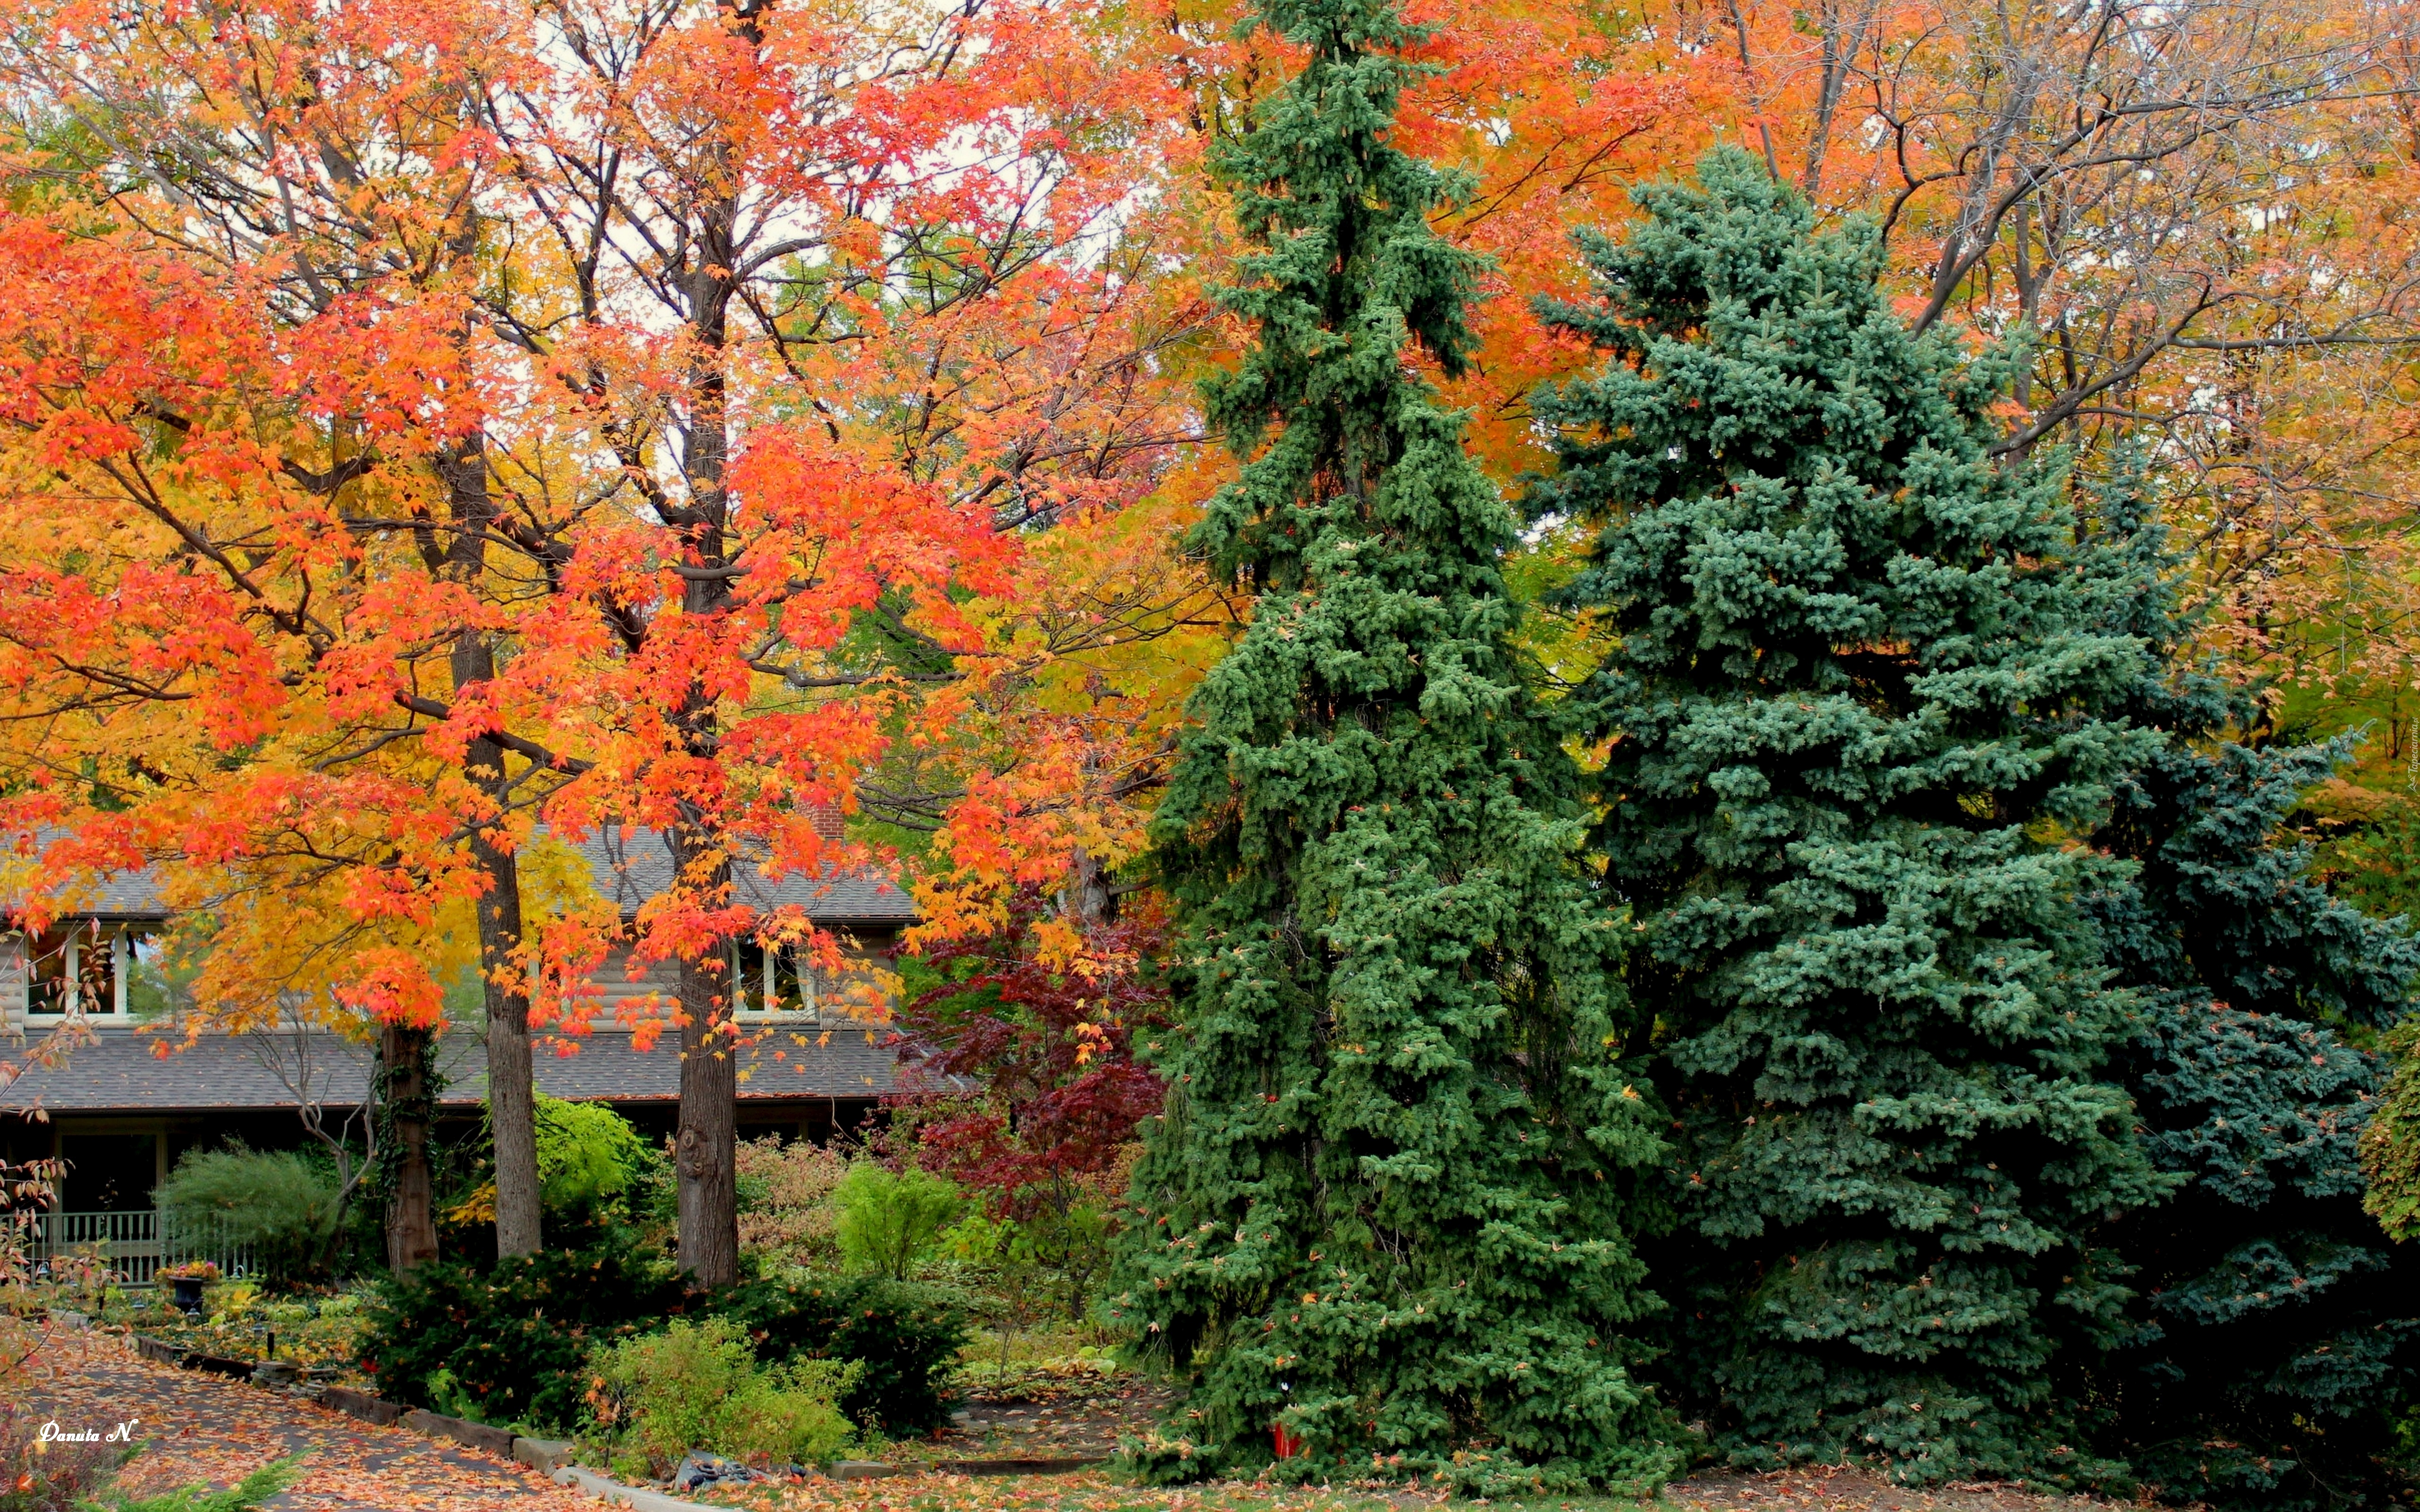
[[189, 1292]]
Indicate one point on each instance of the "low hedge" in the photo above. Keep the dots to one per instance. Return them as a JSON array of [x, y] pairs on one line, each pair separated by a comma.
[[908, 1335], [509, 1343], [512, 1339]]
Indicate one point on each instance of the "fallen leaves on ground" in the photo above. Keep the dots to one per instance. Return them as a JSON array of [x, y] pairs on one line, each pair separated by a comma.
[[210, 1429]]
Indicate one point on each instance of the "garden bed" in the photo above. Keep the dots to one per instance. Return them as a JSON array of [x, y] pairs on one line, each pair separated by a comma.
[[1047, 1413], [319, 1335]]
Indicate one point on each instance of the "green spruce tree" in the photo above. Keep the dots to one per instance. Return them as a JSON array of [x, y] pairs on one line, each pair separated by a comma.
[[2277, 1335], [1383, 1211], [1847, 700]]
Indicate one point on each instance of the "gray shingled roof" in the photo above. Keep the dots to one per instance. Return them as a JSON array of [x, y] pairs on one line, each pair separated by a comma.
[[634, 865], [630, 866], [121, 1071], [131, 895]]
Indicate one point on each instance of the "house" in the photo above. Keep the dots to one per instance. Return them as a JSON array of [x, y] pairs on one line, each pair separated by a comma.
[[124, 1105]]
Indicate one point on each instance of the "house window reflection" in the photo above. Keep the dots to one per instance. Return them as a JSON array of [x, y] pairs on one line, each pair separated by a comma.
[[84, 967], [771, 978]]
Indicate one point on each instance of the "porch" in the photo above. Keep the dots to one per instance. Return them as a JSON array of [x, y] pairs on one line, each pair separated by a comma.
[[128, 1249]]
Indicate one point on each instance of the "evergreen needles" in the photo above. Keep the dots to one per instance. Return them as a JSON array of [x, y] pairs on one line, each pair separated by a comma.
[[1849, 693], [1384, 1209], [2278, 1328]]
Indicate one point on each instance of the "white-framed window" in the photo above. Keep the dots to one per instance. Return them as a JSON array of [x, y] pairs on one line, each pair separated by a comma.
[[77, 967], [771, 982]]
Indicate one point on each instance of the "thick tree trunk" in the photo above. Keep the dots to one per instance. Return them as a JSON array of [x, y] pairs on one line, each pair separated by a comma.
[[410, 1208], [512, 1097], [512, 1088], [705, 1154]]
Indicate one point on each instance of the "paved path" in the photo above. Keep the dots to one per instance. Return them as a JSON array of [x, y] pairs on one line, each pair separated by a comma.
[[204, 1428]]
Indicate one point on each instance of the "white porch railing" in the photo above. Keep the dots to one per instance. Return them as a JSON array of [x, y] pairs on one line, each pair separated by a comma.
[[131, 1246]]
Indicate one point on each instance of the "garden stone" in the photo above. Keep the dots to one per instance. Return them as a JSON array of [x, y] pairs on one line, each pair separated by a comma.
[[700, 1470]]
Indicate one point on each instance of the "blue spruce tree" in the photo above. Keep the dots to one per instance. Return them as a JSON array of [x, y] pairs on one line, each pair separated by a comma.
[[2279, 1327], [1847, 701], [1384, 1209]]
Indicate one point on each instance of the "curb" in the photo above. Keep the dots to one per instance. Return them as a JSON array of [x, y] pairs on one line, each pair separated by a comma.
[[361, 1404], [614, 1493]]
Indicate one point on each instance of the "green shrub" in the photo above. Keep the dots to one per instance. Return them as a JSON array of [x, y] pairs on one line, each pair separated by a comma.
[[906, 1335], [510, 1344], [890, 1220], [699, 1385], [587, 1155], [281, 1204]]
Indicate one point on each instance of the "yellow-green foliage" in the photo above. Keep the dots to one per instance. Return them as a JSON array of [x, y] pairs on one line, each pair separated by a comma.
[[697, 1386], [587, 1153], [2390, 1146], [889, 1220]]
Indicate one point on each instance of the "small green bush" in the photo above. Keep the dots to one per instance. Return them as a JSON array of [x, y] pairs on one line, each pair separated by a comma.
[[511, 1344], [699, 1385], [281, 1204], [587, 1155], [906, 1335], [890, 1220]]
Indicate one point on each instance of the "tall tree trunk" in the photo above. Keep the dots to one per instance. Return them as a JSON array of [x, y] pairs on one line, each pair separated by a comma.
[[411, 1212], [706, 1153], [512, 1097], [705, 1156], [512, 1086]]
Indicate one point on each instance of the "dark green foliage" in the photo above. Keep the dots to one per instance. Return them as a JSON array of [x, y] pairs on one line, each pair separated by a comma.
[[908, 1335], [1384, 1205], [513, 1338], [2279, 1325], [1849, 692], [283, 1204]]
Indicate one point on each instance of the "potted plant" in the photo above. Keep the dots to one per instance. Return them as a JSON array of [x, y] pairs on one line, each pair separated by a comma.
[[189, 1279]]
